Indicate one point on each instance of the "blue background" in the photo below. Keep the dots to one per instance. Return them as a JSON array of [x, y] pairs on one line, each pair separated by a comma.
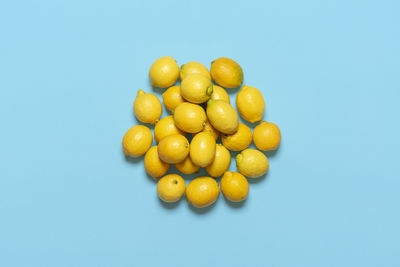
[[329, 72]]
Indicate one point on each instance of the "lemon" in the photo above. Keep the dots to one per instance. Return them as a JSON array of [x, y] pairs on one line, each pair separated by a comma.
[[209, 128], [202, 192], [171, 188], [226, 72], [194, 67], [147, 107], [137, 140], [234, 186], [250, 104], [165, 127], [239, 140], [153, 165], [219, 93], [252, 163], [187, 166], [202, 149], [189, 117], [172, 97], [173, 149], [221, 163], [222, 116], [267, 136], [164, 72], [196, 88]]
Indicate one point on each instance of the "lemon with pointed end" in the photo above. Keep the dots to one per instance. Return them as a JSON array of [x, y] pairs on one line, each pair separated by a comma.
[[267, 136], [147, 107], [222, 116], [187, 166], [226, 72], [196, 88], [173, 149], [202, 192], [189, 117], [219, 93], [202, 149], [239, 140], [194, 67], [136, 141], [153, 165], [172, 97], [165, 127], [164, 72], [171, 188], [252, 163], [250, 104], [221, 162], [209, 128], [234, 186]]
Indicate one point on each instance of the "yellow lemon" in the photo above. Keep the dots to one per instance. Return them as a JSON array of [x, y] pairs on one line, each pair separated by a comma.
[[222, 116], [165, 127], [226, 72], [267, 136], [252, 163], [147, 107], [153, 165], [189, 117], [221, 163], [194, 67], [164, 72], [234, 186], [173, 149], [202, 192], [209, 128], [219, 93], [196, 88], [250, 104], [202, 149], [172, 97], [239, 140], [171, 188], [187, 166], [137, 140]]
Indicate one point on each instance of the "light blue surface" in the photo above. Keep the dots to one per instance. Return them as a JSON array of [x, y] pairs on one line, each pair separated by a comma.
[[69, 72]]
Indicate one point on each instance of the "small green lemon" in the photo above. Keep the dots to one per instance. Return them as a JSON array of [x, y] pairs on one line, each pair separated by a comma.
[[226, 72], [267, 136], [164, 72], [250, 104], [196, 88], [173, 148], [165, 127], [202, 149], [137, 140], [221, 162], [171, 188], [222, 116], [189, 117], [239, 140], [147, 107], [252, 163], [194, 67]]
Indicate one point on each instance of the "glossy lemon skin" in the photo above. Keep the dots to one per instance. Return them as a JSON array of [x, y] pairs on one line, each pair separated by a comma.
[[226, 72], [171, 188], [194, 67], [221, 162], [202, 149], [165, 127], [202, 192], [267, 136], [164, 72], [196, 88], [153, 165], [173, 149], [219, 93], [250, 104], [239, 140], [209, 128], [147, 107], [187, 166], [136, 141], [234, 186], [190, 117], [172, 97], [222, 116], [252, 163]]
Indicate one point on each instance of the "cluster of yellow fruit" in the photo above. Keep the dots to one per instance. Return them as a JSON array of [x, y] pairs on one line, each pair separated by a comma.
[[202, 109]]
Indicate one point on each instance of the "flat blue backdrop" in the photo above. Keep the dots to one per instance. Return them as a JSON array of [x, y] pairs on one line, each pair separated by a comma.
[[70, 70]]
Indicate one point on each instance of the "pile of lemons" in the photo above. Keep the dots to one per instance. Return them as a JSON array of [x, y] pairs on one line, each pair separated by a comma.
[[203, 110]]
